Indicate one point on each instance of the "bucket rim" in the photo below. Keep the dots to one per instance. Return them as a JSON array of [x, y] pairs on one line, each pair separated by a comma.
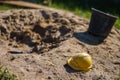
[[101, 12]]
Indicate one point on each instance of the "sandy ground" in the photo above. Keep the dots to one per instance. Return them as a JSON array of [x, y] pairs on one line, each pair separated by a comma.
[[46, 39]]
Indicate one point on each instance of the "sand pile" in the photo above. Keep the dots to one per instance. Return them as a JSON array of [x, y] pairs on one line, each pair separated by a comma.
[[55, 36]]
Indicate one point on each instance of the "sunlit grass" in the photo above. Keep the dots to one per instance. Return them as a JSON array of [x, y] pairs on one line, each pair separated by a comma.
[[5, 7], [117, 24], [118, 76], [5, 74], [78, 11]]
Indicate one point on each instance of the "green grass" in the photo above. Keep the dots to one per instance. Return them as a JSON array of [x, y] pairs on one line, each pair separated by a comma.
[[118, 76], [117, 24], [78, 11], [8, 7], [5, 74], [5, 7]]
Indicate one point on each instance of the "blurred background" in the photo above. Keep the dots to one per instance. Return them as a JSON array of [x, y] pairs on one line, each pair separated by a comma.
[[79, 7]]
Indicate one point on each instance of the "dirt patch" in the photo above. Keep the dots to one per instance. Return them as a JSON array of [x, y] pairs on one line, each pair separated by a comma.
[[45, 39], [37, 29]]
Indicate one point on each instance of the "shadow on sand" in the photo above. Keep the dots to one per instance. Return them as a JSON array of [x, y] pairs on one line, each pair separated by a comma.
[[88, 38], [69, 69]]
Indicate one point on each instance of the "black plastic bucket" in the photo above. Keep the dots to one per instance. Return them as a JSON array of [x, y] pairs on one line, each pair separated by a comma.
[[101, 23]]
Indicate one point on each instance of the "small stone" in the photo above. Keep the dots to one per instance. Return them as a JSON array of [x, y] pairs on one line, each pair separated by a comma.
[[49, 77], [12, 58], [68, 50], [15, 46], [10, 44], [40, 71]]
